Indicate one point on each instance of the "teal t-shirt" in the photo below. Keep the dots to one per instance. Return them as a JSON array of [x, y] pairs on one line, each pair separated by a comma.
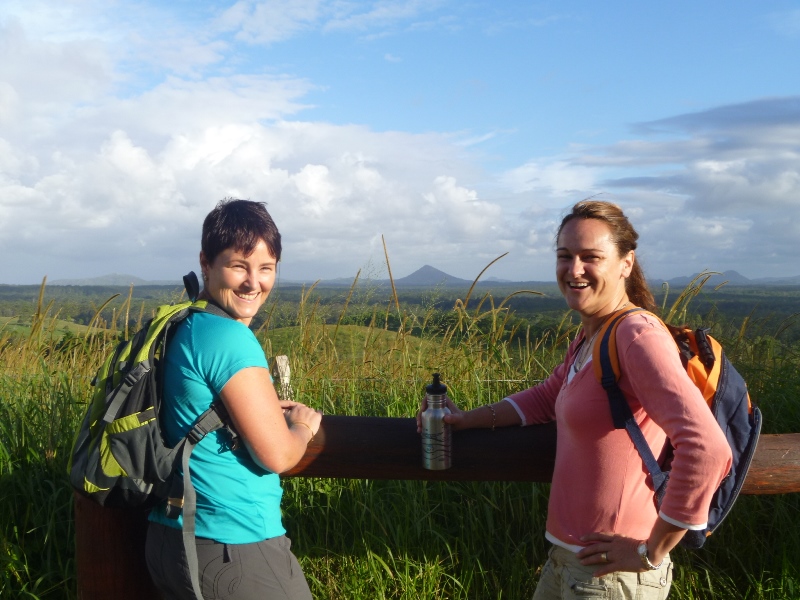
[[238, 502]]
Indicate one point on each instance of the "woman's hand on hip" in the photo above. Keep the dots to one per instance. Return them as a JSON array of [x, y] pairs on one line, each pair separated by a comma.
[[610, 553]]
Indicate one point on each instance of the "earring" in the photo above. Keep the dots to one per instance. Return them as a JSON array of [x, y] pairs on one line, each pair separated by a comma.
[[205, 277]]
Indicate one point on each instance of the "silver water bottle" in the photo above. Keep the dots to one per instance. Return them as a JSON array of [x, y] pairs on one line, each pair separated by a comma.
[[436, 440]]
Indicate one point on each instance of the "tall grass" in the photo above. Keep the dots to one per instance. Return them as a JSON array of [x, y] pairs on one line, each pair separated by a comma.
[[369, 540]]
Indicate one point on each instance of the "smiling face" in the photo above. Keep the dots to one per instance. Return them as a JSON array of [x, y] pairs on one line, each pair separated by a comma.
[[590, 273], [240, 284]]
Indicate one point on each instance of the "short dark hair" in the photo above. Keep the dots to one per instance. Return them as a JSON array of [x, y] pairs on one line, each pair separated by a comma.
[[241, 225]]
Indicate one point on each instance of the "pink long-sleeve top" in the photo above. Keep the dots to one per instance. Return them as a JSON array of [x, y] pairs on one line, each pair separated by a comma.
[[600, 483]]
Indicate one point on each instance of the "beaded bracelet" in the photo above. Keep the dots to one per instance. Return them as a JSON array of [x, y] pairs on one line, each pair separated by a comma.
[[494, 415]]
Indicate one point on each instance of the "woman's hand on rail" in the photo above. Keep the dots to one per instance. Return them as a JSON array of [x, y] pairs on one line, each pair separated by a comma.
[[275, 432], [488, 416], [286, 406], [298, 414]]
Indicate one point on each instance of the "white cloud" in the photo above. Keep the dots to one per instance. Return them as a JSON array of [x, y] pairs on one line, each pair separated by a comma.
[[332, 189], [740, 159], [120, 129], [557, 177], [270, 21], [179, 105], [676, 241], [42, 82], [379, 14], [716, 189], [461, 211]]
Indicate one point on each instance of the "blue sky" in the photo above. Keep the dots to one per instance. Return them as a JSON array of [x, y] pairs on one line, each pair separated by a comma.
[[456, 131]]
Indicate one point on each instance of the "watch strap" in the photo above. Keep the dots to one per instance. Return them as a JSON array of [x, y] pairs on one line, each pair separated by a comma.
[[646, 559]]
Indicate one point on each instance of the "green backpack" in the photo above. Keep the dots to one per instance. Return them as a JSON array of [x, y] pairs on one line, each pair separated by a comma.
[[119, 458]]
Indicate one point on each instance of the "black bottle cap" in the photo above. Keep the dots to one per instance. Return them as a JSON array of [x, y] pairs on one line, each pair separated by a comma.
[[436, 388]]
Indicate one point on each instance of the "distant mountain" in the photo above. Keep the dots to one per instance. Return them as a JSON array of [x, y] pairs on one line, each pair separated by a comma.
[[732, 278], [777, 280], [114, 279], [429, 276], [497, 280]]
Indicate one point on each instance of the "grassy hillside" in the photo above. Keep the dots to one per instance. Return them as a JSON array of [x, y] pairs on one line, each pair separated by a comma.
[[367, 540], [56, 328]]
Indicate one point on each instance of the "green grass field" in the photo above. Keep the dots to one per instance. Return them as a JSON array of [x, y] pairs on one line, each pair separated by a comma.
[[58, 328], [368, 540]]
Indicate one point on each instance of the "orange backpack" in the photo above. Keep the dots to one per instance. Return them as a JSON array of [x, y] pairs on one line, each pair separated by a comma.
[[724, 390]]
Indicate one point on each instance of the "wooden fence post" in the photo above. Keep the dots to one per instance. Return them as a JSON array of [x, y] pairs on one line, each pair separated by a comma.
[[109, 553]]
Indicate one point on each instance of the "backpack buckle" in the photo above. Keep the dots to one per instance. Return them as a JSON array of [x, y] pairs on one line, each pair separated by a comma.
[[174, 507], [135, 374], [608, 380], [209, 421]]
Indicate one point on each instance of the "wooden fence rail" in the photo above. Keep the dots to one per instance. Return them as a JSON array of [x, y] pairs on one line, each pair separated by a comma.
[[109, 543]]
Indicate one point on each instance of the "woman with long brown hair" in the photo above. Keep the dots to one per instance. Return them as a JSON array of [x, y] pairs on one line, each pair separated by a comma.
[[609, 539]]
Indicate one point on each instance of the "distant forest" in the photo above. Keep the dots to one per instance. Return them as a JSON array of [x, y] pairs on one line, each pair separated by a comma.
[[764, 309]]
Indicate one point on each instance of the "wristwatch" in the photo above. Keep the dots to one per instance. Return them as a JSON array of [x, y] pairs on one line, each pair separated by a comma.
[[642, 550]]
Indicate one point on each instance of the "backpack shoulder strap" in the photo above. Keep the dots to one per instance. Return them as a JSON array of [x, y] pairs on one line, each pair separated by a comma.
[[166, 315], [605, 359], [211, 307], [142, 350], [192, 285], [183, 498]]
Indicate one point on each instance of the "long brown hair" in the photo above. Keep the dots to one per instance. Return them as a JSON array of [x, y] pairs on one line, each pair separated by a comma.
[[625, 239]]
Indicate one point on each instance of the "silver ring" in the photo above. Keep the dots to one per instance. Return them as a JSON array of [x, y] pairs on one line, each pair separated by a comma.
[[604, 556]]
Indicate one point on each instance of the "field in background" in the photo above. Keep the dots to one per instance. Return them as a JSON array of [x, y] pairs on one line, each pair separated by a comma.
[[365, 356]]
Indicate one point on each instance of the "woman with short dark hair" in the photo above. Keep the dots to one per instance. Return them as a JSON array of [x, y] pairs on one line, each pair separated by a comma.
[[242, 550]]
